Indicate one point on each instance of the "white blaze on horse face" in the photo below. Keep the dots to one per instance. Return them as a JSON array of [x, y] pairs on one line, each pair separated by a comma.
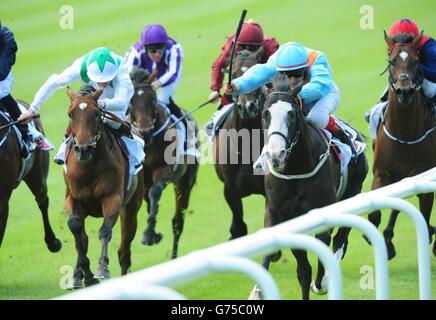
[[276, 147], [404, 55], [83, 106]]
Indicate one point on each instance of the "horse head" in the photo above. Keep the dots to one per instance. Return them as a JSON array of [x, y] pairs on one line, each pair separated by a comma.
[[248, 104], [86, 121], [405, 76], [281, 118], [143, 105]]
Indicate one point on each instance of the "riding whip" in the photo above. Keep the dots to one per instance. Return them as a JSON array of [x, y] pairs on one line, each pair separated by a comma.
[[189, 113], [16, 122], [238, 31]]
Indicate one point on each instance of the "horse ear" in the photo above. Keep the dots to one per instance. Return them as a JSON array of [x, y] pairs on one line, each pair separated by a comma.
[[70, 93], [388, 40], [418, 40], [151, 77], [259, 53], [266, 91], [97, 94]]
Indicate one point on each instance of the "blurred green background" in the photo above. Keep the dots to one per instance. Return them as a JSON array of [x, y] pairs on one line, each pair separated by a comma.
[[357, 56]]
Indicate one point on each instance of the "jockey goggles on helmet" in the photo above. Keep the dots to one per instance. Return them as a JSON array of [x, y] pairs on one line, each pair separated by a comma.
[[158, 47], [249, 47], [297, 73]]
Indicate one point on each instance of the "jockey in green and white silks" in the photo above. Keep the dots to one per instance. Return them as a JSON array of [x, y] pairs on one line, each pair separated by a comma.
[[99, 68]]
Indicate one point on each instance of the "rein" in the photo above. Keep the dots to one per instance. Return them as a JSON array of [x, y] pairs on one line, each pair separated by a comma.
[[322, 158]]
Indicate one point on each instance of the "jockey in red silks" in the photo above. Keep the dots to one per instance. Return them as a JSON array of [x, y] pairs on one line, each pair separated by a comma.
[[252, 39], [427, 57]]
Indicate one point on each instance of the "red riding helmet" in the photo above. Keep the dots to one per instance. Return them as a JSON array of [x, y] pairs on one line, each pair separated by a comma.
[[251, 33], [404, 26]]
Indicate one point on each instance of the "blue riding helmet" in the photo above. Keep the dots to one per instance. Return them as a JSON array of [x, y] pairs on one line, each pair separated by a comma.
[[291, 56]]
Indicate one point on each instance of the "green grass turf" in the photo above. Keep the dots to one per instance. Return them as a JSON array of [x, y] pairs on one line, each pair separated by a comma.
[[29, 271]]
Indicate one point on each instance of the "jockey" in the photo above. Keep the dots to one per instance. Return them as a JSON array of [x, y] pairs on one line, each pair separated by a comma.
[[427, 57], [154, 50], [99, 68], [302, 66], [8, 49], [252, 39]]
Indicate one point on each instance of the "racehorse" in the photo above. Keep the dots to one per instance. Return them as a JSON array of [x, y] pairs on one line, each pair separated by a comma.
[[304, 174], [153, 122], [234, 160], [97, 184], [405, 136], [34, 175]]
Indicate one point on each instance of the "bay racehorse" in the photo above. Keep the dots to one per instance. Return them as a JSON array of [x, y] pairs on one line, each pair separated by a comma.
[[34, 175], [97, 181], [304, 174], [406, 135], [238, 144], [153, 122]]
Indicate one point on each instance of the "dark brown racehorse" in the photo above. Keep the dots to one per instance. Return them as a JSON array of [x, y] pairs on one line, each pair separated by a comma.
[[97, 185], [405, 139], [305, 173], [153, 123], [238, 144], [35, 178]]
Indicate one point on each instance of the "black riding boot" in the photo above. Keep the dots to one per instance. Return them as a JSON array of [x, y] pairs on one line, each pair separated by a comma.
[[344, 138], [14, 111], [175, 110]]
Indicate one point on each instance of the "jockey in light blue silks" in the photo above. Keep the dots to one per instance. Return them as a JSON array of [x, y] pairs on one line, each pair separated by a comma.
[[306, 66], [156, 50], [99, 68]]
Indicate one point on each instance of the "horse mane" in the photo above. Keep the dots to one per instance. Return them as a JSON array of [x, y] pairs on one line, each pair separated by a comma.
[[139, 74], [86, 90], [403, 38], [281, 83]]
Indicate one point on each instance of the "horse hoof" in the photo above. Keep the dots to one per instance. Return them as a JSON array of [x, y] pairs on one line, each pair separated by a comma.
[[256, 294], [102, 273], [91, 282], [54, 246], [322, 291], [151, 239], [76, 284], [391, 250], [276, 256]]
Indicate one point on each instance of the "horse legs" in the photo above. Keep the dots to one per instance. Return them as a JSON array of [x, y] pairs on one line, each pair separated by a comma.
[[238, 227], [304, 272], [36, 181], [426, 205], [319, 285], [4, 213], [128, 227], [388, 234], [150, 236], [77, 227], [183, 189], [111, 208]]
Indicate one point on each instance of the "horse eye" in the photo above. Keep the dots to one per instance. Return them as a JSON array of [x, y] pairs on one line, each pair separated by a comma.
[[69, 115]]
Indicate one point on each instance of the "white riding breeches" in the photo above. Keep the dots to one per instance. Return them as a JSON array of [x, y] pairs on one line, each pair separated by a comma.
[[429, 88], [6, 86], [324, 107], [167, 92]]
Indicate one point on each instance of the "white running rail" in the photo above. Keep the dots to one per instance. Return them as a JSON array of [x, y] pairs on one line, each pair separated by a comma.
[[231, 256]]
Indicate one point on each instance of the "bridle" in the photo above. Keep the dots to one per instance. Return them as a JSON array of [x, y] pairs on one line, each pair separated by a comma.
[[151, 129], [289, 144], [101, 115], [416, 83]]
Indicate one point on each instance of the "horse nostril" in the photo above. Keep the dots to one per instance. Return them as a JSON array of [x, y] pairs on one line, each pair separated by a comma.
[[282, 155]]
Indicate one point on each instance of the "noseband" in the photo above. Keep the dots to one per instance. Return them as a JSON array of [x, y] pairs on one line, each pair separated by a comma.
[[290, 144], [93, 144], [416, 83]]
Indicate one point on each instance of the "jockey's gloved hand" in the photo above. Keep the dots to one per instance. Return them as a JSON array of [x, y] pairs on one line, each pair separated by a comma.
[[27, 116]]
